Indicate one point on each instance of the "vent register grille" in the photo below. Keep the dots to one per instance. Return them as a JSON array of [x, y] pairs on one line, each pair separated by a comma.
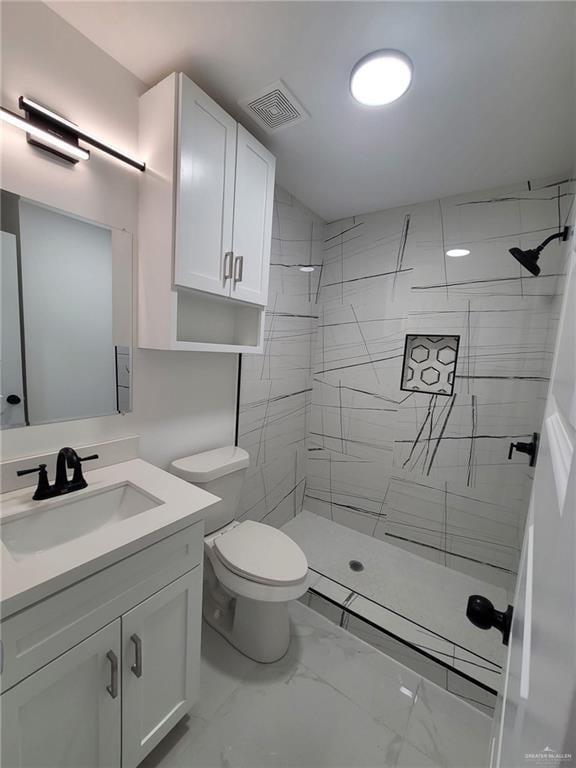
[[274, 107]]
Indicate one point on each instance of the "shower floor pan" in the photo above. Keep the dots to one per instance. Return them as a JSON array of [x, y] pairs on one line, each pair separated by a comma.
[[409, 607]]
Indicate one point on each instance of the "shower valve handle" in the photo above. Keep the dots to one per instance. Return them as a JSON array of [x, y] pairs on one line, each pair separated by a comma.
[[531, 448]]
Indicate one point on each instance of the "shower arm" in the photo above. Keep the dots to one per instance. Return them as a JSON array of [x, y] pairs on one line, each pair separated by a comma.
[[564, 234]]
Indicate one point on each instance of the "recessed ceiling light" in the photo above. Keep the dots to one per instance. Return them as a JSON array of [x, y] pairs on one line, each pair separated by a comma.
[[456, 252], [306, 269], [381, 77]]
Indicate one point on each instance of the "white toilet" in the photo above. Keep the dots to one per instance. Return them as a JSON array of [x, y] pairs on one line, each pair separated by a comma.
[[251, 570]]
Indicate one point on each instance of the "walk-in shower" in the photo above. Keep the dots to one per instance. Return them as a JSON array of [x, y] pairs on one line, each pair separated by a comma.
[[380, 416]]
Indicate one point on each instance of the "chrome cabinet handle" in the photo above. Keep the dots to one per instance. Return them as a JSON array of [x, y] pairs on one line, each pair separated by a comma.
[[113, 687], [228, 261], [238, 269], [136, 668]]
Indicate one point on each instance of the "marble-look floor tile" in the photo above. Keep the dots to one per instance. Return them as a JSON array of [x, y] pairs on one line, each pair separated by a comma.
[[294, 719], [410, 757], [447, 730], [331, 702], [379, 685]]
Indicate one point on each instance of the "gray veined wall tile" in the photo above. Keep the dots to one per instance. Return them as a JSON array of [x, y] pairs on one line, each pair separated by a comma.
[[276, 387], [430, 473]]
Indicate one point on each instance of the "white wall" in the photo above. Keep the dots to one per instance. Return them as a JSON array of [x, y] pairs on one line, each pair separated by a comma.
[[182, 401]]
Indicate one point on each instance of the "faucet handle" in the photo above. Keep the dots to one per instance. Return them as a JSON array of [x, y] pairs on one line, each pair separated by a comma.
[[43, 489], [78, 480], [31, 471]]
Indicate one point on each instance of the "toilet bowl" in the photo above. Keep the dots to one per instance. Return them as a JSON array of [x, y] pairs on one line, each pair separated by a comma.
[[251, 570]]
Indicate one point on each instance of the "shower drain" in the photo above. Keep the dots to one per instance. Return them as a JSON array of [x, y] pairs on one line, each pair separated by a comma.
[[356, 565]]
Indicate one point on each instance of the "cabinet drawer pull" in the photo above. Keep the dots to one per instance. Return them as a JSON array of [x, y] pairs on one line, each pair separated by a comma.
[[238, 269], [136, 668], [228, 262], [113, 687]]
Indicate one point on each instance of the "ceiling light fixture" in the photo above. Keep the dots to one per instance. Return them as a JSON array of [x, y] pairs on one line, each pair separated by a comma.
[[306, 269], [41, 136], [455, 253], [381, 77]]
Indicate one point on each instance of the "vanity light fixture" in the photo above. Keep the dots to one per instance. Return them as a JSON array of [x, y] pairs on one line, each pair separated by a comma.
[[306, 269], [56, 134], [41, 137], [455, 253], [381, 77]]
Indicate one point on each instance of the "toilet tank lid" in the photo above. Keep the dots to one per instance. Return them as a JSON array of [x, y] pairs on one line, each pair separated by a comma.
[[210, 465]]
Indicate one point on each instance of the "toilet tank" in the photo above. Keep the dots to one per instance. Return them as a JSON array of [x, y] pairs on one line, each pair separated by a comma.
[[221, 472]]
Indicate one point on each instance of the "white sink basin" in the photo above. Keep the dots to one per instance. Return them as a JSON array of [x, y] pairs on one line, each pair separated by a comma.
[[36, 530]]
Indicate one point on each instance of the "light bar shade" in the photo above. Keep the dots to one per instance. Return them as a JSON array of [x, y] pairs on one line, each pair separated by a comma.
[[33, 107], [44, 136]]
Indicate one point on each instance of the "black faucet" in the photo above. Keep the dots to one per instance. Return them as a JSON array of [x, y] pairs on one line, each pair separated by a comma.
[[67, 459]]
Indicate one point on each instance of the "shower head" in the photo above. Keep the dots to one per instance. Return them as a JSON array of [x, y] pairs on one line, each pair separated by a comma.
[[529, 258]]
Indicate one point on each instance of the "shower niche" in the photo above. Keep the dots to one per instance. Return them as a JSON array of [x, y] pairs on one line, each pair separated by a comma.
[[429, 364]]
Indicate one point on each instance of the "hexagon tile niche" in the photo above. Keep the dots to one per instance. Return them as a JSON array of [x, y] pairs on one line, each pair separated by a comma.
[[430, 364]]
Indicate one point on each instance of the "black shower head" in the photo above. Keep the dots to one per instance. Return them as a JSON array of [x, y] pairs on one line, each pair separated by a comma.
[[529, 258]]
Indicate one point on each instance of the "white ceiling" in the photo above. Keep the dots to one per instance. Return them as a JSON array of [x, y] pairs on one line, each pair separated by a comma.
[[491, 103]]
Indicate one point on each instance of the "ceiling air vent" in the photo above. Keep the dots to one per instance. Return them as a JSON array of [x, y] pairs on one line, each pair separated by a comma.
[[274, 107]]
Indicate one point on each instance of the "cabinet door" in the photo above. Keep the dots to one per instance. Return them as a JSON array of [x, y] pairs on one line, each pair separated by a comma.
[[205, 191], [253, 203], [67, 715], [161, 664]]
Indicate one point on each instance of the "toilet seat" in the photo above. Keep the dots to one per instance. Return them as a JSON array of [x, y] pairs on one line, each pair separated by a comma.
[[261, 554]]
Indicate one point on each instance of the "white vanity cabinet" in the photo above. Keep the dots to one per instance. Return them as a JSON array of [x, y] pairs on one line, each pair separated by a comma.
[[160, 669], [95, 675], [205, 224], [68, 713]]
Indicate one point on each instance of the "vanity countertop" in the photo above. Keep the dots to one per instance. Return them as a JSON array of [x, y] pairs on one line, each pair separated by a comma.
[[27, 579]]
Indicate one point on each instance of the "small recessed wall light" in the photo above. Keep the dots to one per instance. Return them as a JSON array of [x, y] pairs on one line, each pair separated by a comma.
[[306, 269], [381, 77], [457, 252]]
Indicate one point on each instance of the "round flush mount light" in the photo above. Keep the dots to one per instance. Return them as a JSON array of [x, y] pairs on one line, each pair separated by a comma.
[[381, 77], [306, 269], [457, 252]]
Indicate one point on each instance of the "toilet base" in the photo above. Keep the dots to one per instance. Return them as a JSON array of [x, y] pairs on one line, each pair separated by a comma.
[[259, 630]]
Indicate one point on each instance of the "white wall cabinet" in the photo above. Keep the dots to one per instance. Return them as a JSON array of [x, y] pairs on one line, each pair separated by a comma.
[[205, 224], [252, 233], [206, 156], [68, 713], [79, 698]]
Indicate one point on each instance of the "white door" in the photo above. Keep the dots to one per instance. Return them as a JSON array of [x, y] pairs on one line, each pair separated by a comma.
[[205, 192], [67, 715], [161, 664], [253, 204], [537, 721], [11, 378]]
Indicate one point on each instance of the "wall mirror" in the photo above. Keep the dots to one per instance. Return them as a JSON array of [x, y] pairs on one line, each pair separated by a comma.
[[66, 315]]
